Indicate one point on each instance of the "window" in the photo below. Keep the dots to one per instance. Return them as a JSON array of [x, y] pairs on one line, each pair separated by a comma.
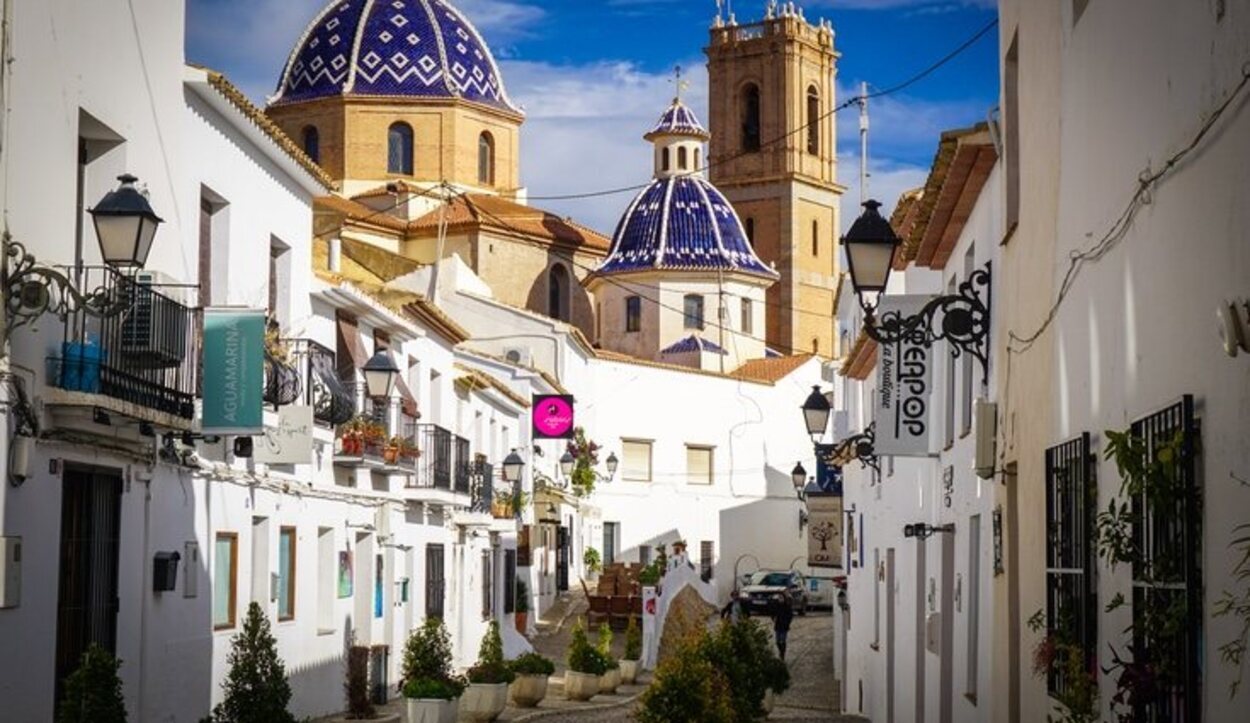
[[488, 588], [950, 361], [683, 158], [699, 465], [399, 149], [1071, 592], [610, 531], [262, 587], [557, 293], [435, 582], [665, 159], [813, 120], [748, 322], [312, 143], [327, 580], [644, 555], [486, 159], [693, 305], [707, 550], [286, 573], [379, 586], [1011, 95], [965, 362], [637, 460], [696, 160], [749, 224], [279, 281], [815, 345], [750, 118], [974, 606], [225, 579], [876, 598], [633, 313], [815, 238]]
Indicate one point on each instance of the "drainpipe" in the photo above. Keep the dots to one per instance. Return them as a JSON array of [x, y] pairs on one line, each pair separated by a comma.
[[145, 596]]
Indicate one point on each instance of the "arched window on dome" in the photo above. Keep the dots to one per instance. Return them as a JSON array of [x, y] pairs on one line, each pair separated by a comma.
[[813, 120], [750, 118], [696, 159], [749, 224], [399, 149], [312, 143], [558, 293], [683, 159], [486, 159], [748, 318], [665, 159], [692, 305]]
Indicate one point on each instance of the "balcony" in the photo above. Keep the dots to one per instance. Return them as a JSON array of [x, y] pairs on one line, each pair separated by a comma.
[[306, 373], [464, 466], [438, 476], [145, 358]]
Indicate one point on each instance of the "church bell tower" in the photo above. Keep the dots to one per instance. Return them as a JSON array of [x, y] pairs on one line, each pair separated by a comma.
[[773, 154]]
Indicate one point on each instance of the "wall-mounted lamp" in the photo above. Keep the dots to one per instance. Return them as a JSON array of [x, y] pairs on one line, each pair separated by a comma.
[[923, 531]]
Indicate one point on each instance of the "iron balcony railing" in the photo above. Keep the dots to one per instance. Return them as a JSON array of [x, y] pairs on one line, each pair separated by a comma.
[[483, 487], [435, 463], [316, 382], [464, 465], [146, 354]]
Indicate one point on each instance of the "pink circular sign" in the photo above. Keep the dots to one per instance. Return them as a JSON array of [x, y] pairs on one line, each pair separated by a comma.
[[553, 417]]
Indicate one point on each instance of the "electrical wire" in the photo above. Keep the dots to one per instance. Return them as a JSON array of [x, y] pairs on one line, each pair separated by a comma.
[[853, 101]]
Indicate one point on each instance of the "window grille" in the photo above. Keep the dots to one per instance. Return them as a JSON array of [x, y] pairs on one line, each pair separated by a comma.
[[1071, 583]]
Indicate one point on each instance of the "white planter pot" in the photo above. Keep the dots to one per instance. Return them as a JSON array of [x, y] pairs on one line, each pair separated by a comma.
[[483, 702], [770, 700], [529, 690], [580, 686], [425, 710], [610, 681], [629, 671]]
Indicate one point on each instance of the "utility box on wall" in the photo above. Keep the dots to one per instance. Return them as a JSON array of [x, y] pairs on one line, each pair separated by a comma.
[[165, 571], [10, 572]]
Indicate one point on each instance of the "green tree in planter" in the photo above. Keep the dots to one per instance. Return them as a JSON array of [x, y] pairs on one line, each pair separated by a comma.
[[256, 688], [605, 646], [594, 563], [742, 653], [633, 640], [93, 693], [583, 657], [688, 687], [426, 667], [490, 667]]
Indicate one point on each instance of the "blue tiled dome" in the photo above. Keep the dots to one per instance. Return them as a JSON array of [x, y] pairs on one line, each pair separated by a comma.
[[678, 120], [406, 48], [682, 223]]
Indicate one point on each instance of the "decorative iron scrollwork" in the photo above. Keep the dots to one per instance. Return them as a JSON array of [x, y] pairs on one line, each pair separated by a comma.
[[32, 289], [860, 448], [963, 319]]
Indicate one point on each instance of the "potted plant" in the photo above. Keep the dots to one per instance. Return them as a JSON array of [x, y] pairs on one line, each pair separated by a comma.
[[610, 679], [408, 452], [594, 563], [633, 652], [390, 454], [94, 691], [432, 691], [501, 505], [487, 694], [530, 686], [581, 680], [374, 438], [352, 433], [585, 453], [522, 606], [256, 687]]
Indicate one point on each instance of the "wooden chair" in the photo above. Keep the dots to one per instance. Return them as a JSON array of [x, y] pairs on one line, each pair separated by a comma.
[[600, 610], [620, 611]]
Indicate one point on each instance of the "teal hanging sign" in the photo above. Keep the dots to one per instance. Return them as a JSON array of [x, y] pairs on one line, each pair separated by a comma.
[[234, 371]]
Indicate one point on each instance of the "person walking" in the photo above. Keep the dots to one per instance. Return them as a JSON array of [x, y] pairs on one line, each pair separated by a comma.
[[783, 615]]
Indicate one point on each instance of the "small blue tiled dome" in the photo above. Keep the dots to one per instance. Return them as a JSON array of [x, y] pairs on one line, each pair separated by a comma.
[[693, 343], [405, 48], [682, 223], [678, 120]]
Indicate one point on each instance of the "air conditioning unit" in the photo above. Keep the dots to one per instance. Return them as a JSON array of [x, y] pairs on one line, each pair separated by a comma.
[[986, 421], [519, 355], [156, 327]]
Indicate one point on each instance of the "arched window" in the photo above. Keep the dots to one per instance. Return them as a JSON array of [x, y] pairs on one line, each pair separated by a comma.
[[665, 159], [693, 307], [682, 158], [312, 143], [815, 345], [558, 293], [751, 118], [750, 228], [486, 159], [813, 120], [815, 238], [696, 159], [399, 149], [748, 325]]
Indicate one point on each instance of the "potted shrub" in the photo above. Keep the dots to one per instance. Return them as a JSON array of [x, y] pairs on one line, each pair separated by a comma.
[[256, 687], [487, 694], [522, 606], [352, 435], [94, 691], [633, 652], [581, 680], [374, 438], [432, 691], [610, 680], [390, 454], [501, 505], [594, 563], [530, 686]]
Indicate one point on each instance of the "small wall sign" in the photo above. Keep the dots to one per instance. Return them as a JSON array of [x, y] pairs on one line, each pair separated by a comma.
[[552, 416]]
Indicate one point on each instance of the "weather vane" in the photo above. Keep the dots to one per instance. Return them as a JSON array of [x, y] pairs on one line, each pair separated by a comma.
[[679, 83]]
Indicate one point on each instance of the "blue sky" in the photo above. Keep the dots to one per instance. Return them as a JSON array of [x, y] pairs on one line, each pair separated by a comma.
[[593, 75]]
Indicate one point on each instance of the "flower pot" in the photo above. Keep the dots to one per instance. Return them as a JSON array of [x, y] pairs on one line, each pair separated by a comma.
[[629, 671], [529, 690], [610, 681], [425, 710], [770, 700], [390, 455], [483, 701], [580, 686], [521, 620]]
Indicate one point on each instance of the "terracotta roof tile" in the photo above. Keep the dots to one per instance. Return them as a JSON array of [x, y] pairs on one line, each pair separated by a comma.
[[495, 212], [771, 369]]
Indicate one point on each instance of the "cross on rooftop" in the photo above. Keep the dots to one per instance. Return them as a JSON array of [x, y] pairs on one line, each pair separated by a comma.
[[680, 83]]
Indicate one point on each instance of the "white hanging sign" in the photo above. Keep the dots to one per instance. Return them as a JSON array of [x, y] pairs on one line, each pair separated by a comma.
[[290, 442], [824, 530], [905, 375]]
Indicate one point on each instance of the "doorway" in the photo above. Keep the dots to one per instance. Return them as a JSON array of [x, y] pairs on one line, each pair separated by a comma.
[[562, 559], [87, 601]]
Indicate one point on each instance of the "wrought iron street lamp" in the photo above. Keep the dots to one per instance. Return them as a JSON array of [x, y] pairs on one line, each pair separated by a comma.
[[798, 476], [566, 464], [816, 414], [512, 466], [612, 464], [381, 372], [125, 225], [962, 319]]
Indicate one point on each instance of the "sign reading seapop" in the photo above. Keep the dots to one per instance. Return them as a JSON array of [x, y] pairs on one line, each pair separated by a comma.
[[553, 416], [234, 371], [905, 375], [824, 530]]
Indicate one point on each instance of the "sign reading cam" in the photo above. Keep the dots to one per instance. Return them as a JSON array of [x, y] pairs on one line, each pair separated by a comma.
[[906, 374], [234, 371], [824, 530]]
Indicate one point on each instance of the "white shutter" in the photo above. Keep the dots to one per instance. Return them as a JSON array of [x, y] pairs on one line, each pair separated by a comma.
[[699, 465], [637, 460]]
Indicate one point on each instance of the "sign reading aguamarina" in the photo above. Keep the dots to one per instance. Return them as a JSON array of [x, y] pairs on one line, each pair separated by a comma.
[[905, 374], [234, 372]]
